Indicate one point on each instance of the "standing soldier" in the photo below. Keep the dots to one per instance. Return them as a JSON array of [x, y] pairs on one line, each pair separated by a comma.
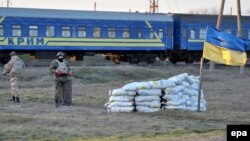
[[60, 68], [14, 69]]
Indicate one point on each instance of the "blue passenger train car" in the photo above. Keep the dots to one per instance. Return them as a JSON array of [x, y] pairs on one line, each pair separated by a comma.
[[132, 37], [190, 32], [121, 36]]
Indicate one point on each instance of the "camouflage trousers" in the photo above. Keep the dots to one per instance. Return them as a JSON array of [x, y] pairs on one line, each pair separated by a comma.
[[14, 86], [63, 93]]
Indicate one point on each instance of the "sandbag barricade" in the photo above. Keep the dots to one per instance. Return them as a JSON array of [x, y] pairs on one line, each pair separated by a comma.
[[178, 92], [121, 101]]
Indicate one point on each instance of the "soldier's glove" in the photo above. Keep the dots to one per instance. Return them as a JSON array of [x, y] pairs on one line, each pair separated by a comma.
[[70, 73]]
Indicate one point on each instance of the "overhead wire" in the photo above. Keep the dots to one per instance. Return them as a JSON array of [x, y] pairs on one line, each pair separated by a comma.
[[177, 6], [169, 6]]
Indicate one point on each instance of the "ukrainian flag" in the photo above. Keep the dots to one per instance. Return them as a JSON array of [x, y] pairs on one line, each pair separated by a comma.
[[224, 48]]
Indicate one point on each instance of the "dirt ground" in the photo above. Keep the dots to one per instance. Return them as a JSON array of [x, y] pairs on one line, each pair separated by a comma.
[[36, 118]]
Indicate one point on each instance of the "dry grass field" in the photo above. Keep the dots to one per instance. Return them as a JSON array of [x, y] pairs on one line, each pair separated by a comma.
[[36, 118]]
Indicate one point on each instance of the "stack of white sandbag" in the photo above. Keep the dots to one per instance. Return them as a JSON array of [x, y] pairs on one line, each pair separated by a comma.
[[120, 101], [147, 99], [178, 92], [184, 95]]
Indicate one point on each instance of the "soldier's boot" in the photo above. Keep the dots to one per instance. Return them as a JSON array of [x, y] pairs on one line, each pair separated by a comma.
[[17, 100], [65, 103], [13, 99], [57, 102]]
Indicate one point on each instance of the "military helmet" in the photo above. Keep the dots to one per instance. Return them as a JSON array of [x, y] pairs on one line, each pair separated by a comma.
[[60, 54], [12, 53]]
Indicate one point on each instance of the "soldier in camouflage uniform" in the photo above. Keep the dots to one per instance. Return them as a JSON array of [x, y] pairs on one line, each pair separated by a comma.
[[14, 69], [61, 70]]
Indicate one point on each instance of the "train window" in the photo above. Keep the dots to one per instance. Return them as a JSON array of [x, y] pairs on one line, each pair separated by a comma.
[[66, 31], [97, 32], [50, 31], [126, 33], [151, 34], [139, 35], [202, 33], [1, 30], [111, 32], [192, 34], [249, 34], [160, 33], [82, 32], [33, 31], [228, 31], [16, 30]]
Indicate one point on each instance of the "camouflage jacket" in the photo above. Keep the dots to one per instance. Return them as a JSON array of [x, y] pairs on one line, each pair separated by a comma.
[[52, 69], [14, 67]]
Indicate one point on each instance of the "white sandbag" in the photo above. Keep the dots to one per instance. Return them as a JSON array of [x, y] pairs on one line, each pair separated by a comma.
[[143, 85], [192, 79], [176, 103], [190, 92], [181, 107], [179, 78], [121, 109], [120, 98], [176, 89], [171, 97], [192, 108], [150, 92], [167, 84], [195, 86], [188, 103], [185, 84], [130, 86], [147, 98], [156, 84], [120, 92], [146, 109], [186, 97], [152, 104], [120, 104]]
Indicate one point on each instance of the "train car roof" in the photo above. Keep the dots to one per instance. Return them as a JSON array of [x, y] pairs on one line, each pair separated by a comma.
[[77, 14], [207, 15], [204, 18]]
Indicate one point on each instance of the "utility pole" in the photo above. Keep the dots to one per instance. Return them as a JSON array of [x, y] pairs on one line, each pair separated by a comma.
[[95, 6], [154, 6], [218, 26], [8, 3]]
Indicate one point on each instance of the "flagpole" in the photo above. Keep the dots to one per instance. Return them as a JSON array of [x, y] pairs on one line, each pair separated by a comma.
[[239, 32], [200, 85]]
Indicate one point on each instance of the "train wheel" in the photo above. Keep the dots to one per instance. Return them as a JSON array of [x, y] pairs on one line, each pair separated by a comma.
[[173, 61], [134, 60], [151, 60], [189, 59]]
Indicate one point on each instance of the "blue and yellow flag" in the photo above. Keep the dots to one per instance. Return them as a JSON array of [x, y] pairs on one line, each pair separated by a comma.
[[224, 48]]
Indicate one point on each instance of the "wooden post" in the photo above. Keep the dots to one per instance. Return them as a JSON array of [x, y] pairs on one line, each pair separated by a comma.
[[200, 85], [212, 64], [239, 31]]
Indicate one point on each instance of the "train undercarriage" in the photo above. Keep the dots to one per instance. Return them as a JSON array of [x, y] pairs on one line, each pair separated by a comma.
[[117, 57]]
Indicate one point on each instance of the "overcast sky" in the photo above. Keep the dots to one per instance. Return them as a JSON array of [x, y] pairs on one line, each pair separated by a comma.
[[173, 6]]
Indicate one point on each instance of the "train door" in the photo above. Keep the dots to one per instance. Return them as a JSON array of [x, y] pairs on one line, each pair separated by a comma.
[[184, 38]]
